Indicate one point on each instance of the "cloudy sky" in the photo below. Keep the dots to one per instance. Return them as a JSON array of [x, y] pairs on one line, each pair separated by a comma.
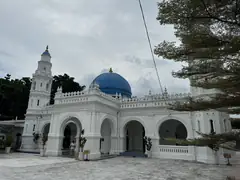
[[85, 38]]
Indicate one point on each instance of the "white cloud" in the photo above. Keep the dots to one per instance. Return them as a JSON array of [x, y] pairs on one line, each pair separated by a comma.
[[85, 37]]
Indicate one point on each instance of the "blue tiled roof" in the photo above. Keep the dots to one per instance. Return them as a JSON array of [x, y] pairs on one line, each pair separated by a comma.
[[112, 83]]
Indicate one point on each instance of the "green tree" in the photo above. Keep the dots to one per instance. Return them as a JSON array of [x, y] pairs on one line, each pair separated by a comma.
[[14, 94], [67, 83], [209, 34], [208, 31]]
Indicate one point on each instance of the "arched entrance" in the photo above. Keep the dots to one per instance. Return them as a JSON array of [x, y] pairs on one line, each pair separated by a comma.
[[70, 133], [18, 141], [134, 133], [105, 141], [172, 129]]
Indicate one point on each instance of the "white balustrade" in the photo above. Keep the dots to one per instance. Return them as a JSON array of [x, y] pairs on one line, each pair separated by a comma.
[[154, 100], [78, 97], [174, 149], [176, 152]]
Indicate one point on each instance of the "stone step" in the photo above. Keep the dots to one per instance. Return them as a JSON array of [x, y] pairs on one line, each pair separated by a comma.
[[133, 154], [29, 151], [105, 157]]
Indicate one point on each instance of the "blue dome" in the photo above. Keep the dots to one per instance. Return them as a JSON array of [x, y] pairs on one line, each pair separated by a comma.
[[112, 83], [46, 53]]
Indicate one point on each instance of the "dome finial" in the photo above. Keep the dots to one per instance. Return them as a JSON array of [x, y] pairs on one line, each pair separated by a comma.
[[110, 70], [46, 52]]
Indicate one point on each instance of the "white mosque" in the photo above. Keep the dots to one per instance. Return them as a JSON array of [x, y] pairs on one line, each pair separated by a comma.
[[114, 121]]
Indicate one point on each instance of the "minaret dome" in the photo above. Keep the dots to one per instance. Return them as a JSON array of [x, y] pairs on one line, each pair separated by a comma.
[[46, 53]]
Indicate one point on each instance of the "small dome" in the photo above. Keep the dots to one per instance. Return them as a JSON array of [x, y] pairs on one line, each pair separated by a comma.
[[112, 83], [46, 52]]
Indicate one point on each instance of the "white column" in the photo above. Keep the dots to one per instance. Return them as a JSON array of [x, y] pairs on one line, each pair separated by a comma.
[[54, 145], [77, 145], [93, 145], [155, 147], [114, 140]]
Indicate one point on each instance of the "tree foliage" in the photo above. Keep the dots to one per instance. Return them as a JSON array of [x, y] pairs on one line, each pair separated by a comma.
[[208, 31], [214, 141], [14, 94], [67, 83]]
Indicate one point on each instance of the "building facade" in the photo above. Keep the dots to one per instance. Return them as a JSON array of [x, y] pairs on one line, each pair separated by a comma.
[[114, 121]]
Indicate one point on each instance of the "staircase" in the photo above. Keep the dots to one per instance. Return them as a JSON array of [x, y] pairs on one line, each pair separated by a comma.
[[105, 156], [66, 153]]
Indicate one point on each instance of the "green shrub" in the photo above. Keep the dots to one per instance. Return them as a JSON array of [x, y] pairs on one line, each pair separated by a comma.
[[44, 139], [8, 141]]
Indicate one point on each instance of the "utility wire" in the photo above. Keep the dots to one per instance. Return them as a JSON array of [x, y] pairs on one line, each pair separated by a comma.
[[151, 49]]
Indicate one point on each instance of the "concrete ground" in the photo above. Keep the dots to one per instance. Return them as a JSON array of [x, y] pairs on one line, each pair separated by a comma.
[[19, 166]]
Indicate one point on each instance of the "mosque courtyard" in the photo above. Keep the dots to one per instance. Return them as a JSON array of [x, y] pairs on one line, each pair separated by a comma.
[[33, 167]]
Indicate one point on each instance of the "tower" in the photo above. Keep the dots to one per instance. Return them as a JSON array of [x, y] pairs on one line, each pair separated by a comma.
[[39, 97], [41, 83]]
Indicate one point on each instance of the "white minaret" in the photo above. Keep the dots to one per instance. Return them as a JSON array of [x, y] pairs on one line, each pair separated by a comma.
[[41, 83], [39, 97]]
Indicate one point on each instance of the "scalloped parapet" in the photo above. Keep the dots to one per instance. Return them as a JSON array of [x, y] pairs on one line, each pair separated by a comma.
[[157, 97], [82, 96], [151, 100], [155, 100]]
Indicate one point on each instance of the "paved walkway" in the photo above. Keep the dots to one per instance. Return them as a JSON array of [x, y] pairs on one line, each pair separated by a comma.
[[33, 167]]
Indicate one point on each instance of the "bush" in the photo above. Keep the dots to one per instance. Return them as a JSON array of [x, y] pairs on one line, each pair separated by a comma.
[[8, 141], [82, 141], [44, 139], [36, 136], [147, 143], [1, 142]]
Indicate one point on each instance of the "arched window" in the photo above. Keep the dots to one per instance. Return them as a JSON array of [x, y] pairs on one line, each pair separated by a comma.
[[211, 126], [225, 125], [41, 85], [34, 86], [47, 87], [31, 102], [199, 126], [38, 102]]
